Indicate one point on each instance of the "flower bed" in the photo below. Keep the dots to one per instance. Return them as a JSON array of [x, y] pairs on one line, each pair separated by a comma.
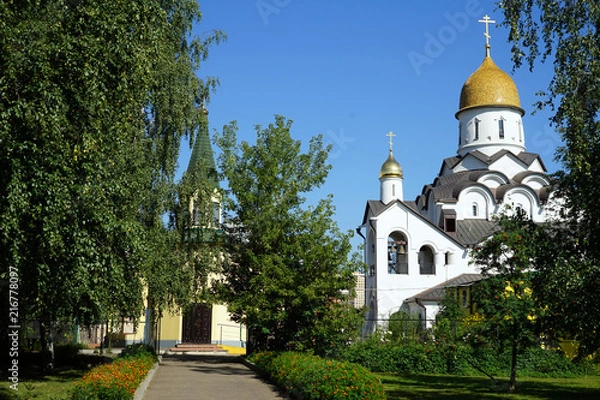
[[311, 377], [117, 380]]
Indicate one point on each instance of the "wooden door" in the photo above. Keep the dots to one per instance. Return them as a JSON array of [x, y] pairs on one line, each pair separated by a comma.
[[197, 323]]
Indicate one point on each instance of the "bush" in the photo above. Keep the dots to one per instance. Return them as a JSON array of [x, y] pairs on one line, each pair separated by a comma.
[[374, 355], [138, 349], [117, 380], [67, 354], [437, 358], [538, 362], [380, 356], [312, 377]]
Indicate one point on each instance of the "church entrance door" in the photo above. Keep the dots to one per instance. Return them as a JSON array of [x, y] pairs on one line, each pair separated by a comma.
[[196, 324]]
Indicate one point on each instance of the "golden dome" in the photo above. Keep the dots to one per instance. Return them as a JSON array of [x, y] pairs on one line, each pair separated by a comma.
[[489, 86], [391, 168]]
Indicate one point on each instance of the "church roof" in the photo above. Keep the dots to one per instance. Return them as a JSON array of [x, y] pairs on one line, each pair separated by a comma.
[[390, 168], [525, 157], [202, 160], [436, 293], [377, 206], [448, 187], [469, 232], [491, 87]]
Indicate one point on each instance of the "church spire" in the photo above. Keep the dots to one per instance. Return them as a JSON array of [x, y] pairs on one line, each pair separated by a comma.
[[489, 111], [390, 177], [202, 161]]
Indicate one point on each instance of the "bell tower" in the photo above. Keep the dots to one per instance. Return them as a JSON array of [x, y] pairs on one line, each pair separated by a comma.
[[390, 177]]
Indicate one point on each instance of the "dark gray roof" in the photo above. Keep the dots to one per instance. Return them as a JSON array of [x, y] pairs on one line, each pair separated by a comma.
[[437, 292], [378, 207], [448, 187], [472, 231], [524, 157], [522, 175]]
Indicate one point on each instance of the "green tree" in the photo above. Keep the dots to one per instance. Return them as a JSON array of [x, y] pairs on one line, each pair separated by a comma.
[[95, 97], [404, 328], [287, 270], [568, 34], [505, 300]]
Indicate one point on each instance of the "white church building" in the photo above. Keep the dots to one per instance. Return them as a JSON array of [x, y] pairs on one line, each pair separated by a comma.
[[415, 249]]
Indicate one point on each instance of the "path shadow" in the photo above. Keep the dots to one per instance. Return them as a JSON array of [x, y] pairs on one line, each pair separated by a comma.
[[223, 365]]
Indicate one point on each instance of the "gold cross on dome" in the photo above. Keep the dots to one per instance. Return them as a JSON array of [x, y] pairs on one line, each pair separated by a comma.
[[391, 136], [487, 21]]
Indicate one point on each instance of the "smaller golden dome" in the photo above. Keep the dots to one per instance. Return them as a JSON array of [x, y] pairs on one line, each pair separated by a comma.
[[489, 86], [391, 168]]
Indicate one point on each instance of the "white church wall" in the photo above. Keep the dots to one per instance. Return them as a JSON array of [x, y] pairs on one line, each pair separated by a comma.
[[390, 189], [508, 164], [469, 163], [392, 288], [536, 166], [525, 199], [475, 202], [482, 130]]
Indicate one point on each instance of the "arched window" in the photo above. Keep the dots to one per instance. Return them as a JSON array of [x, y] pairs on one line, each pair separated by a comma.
[[426, 261], [475, 209], [397, 254], [501, 128], [195, 213], [477, 121]]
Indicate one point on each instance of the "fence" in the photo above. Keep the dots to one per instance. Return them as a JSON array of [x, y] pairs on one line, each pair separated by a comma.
[[232, 335], [405, 329]]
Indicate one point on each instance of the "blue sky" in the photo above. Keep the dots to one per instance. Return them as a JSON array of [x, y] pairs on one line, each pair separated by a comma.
[[355, 70]]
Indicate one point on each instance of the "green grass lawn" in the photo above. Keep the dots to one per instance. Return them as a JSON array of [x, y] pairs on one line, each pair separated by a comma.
[[50, 387], [34, 384], [449, 387]]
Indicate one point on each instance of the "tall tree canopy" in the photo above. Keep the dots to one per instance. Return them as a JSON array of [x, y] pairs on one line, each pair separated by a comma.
[[287, 270], [567, 32], [95, 97]]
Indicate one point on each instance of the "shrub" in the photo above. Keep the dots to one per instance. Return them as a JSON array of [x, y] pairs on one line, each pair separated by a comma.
[[67, 354], [138, 349], [374, 355], [117, 380], [431, 358], [312, 377], [392, 357], [538, 362]]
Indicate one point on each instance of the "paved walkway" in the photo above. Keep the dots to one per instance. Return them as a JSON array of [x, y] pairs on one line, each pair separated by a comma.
[[186, 377]]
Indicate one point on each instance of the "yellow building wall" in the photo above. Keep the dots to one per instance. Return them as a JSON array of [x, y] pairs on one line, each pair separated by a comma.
[[225, 331], [171, 326]]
